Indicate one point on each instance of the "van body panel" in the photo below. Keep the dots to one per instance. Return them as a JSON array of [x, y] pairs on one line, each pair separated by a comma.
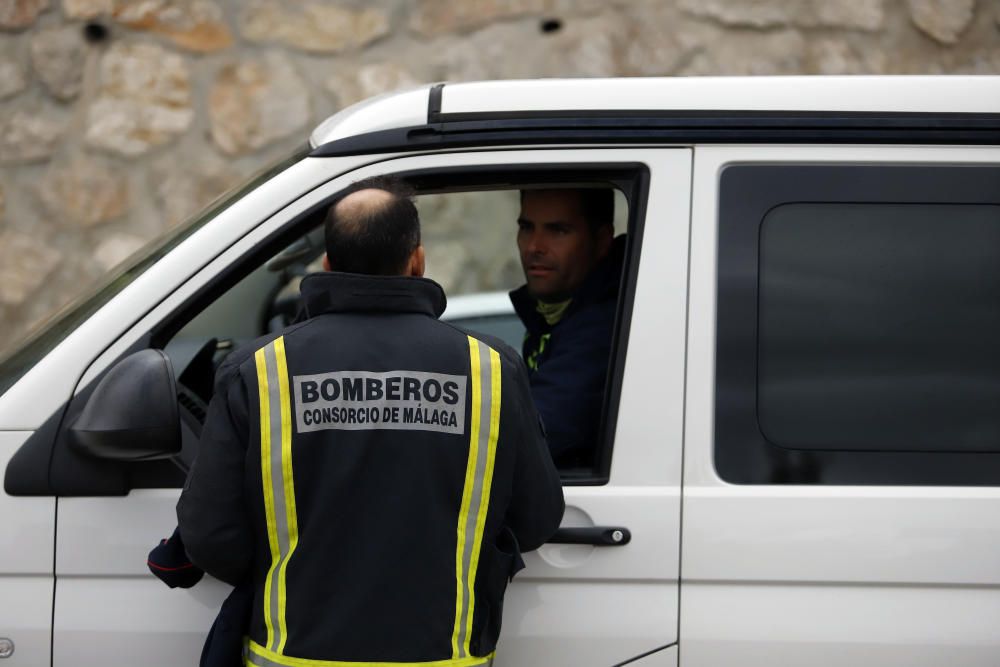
[[582, 605], [27, 538], [132, 620], [823, 575], [820, 625], [27, 541]]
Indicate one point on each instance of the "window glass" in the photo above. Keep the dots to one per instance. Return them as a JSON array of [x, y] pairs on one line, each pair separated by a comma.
[[470, 241], [858, 324], [879, 327]]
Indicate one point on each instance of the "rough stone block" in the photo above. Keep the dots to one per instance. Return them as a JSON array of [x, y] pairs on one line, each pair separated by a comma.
[[317, 27], [19, 14], [13, 77], [114, 250], [439, 17], [83, 192], [352, 85], [144, 101], [86, 9], [196, 25], [942, 20], [256, 102], [25, 262], [29, 136], [184, 187], [852, 14], [57, 57]]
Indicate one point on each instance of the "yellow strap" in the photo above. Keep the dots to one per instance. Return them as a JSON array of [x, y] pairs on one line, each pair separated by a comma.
[[265, 470], [470, 473], [289, 485], [272, 657], [484, 502]]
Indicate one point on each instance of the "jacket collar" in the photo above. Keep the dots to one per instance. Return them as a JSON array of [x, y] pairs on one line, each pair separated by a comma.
[[333, 292]]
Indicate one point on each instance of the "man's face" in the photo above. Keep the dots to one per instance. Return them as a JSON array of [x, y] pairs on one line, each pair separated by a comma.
[[557, 248]]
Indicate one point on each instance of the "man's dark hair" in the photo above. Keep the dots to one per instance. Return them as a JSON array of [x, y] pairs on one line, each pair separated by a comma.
[[376, 239], [597, 204]]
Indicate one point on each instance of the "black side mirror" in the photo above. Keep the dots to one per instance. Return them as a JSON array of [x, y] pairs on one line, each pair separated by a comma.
[[132, 414]]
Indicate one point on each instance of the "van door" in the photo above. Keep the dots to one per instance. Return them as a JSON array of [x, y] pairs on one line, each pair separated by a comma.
[[576, 604], [27, 543], [842, 463]]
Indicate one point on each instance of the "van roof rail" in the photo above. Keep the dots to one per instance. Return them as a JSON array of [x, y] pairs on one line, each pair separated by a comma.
[[883, 109]]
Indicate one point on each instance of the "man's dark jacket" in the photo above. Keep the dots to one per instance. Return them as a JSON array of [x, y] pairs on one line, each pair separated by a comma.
[[568, 361], [375, 473]]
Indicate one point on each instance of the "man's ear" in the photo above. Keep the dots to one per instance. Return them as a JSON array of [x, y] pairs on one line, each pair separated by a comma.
[[416, 267], [326, 263], [605, 237]]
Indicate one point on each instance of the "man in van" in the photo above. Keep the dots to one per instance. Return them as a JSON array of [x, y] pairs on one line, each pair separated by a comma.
[[572, 267], [374, 472]]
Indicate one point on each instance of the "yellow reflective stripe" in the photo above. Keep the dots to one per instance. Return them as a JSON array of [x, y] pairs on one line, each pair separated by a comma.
[[265, 460], [484, 502], [272, 658], [470, 478], [289, 485]]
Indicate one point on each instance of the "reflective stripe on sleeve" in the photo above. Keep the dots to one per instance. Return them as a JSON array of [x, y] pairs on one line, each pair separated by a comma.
[[483, 433], [279, 489], [261, 657]]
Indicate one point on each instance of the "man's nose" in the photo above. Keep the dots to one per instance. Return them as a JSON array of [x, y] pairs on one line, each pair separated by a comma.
[[535, 245]]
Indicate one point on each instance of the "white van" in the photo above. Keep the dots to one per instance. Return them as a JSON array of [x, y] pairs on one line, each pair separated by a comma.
[[801, 443]]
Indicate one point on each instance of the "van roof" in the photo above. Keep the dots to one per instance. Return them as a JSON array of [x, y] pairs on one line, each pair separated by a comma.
[[542, 100]]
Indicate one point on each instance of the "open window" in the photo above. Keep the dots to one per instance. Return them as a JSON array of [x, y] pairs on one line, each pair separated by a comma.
[[469, 228]]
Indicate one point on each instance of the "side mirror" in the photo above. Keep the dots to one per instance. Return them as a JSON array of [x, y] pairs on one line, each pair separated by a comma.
[[132, 414]]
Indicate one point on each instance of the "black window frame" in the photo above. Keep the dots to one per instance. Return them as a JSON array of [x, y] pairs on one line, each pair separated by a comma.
[[747, 193]]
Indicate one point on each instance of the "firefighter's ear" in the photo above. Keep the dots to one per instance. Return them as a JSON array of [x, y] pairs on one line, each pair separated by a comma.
[[326, 263], [416, 267]]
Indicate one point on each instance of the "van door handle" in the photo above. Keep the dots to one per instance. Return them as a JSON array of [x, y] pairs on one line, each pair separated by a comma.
[[599, 536]]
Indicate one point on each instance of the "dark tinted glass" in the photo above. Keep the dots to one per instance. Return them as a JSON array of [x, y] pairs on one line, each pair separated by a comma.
[[879, 327]]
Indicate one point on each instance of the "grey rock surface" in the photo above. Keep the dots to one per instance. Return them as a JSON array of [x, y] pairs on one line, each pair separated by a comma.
[[29, 136], [317, 27], [57, 59], [256, 102], [144, 99], [20, 14], [25, 262], [943, 20], [850, 14], [84, 192]]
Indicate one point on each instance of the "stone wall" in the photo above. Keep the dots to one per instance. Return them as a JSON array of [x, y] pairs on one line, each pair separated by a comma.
[[119, 118]]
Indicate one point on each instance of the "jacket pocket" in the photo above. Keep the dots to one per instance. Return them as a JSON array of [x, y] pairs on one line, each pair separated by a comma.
[[505, 561]]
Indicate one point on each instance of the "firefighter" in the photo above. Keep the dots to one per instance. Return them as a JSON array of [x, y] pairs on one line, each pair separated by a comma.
[[374, 472]]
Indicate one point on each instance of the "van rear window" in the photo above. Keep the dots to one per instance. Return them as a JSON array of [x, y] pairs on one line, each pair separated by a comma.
[[858, 324], [879, 327]]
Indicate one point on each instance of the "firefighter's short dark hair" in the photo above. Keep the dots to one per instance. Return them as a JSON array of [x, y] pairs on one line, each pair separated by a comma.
[[373, 237]]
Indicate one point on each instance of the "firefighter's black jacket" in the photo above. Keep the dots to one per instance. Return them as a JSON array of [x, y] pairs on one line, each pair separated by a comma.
[[375, 472]]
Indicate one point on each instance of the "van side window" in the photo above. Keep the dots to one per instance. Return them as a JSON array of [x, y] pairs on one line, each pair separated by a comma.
[[879, 327], [859, 327], [470, 228]]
